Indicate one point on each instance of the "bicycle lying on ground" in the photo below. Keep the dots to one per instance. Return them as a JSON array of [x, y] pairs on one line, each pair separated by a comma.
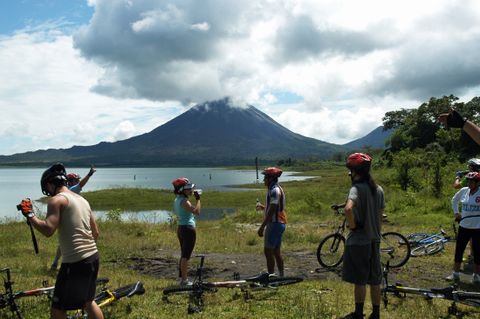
[[452, 293], [199, 286], [428, 244], [394, 247], [104, 297]]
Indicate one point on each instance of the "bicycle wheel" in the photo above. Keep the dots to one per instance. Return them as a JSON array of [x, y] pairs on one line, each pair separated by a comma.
[[428, 249], [330, 251], [395, 249], [178, 290], [283, 281]]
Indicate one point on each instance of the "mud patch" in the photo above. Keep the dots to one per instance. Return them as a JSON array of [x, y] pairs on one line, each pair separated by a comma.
[[223, 266]]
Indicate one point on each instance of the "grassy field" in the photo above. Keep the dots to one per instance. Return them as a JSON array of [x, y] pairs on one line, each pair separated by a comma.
[[308, 208]]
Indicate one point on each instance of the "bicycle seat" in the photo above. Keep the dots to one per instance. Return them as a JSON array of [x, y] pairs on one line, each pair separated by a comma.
[[138, 289]]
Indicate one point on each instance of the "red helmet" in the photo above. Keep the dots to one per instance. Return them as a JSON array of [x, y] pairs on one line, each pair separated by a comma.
[[475, 176], [182, 182], [358, 160], [272, 171], [73, 176]]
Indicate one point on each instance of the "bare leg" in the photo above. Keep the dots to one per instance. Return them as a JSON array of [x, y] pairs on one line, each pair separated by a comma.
[[360, 292], [57, 313], [93, 310], [269, 255], [375, 294], [184, 268], [279, 260]]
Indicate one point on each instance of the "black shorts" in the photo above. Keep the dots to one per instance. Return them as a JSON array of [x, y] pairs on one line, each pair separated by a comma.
[[187, 235], [361, 264], [76, 283]]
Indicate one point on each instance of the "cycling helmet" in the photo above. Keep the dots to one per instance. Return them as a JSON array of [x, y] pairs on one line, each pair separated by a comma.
[[475, 176], [72, 176], [182, 183], [272, 171], [55, 174], [358, 161], [474, 163]]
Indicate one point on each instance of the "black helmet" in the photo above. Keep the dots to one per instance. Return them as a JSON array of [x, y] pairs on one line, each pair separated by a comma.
[[55, 174]]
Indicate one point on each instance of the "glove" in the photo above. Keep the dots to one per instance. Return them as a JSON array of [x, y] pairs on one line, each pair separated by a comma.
[[455, 119], [460, 174], [197, 195], [26, 207], [92, 170]]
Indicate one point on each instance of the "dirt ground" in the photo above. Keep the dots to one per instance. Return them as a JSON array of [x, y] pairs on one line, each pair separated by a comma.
[[224, 266]]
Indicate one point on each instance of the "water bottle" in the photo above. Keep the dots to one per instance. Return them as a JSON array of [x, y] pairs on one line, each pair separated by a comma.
[[198, 191]]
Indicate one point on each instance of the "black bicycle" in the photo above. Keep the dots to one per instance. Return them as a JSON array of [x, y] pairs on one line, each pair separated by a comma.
[[453, 293], [394, 247], [199, 286]]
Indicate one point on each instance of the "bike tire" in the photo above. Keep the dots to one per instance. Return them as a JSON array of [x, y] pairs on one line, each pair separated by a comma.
[[395, 249], [178, 290], [429, 249], [283, 281], [414, 238], [330, 251]]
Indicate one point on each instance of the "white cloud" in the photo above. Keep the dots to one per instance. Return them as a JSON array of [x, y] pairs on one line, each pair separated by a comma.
[[137, 62]]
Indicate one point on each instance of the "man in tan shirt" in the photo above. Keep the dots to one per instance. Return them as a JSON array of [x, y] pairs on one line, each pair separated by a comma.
[[72, 216]]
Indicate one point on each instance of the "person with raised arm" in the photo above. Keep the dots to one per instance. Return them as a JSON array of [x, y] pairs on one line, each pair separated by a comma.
[[456, 120], [71, 215]]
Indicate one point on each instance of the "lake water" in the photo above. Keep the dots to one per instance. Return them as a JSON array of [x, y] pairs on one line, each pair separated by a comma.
[[18, 183]]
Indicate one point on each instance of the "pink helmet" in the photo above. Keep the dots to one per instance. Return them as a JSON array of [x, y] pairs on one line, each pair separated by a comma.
[[72, 176]]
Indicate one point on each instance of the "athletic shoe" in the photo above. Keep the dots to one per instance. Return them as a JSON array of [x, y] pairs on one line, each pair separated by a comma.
[[476, 279], [455, 276]]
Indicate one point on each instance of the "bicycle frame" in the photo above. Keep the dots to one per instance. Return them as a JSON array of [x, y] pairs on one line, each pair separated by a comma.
[[200, 287], [448, 293]]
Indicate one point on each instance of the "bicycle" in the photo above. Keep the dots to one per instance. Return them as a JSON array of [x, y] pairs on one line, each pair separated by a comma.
[[199, 286], [427, 244], [8, 299], [104, 297], [452, 293], [394, 247]]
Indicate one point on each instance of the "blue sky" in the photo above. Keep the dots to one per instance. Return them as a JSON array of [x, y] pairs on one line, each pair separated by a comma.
[[19, 14], [85, 71]]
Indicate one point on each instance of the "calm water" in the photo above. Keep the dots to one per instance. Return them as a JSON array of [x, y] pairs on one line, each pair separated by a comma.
[[18, 183]]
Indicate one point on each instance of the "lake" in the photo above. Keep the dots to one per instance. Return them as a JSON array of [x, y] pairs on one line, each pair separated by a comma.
[[18, 183]]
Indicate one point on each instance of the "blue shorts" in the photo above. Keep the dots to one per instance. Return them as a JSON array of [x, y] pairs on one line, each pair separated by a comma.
[[273, 235]]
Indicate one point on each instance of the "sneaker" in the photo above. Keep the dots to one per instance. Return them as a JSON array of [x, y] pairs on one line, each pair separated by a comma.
[[353, 315], [455, 276], [476, 279], [185, 283]]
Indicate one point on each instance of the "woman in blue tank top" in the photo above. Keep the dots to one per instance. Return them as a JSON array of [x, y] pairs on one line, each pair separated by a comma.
[[186, 231]]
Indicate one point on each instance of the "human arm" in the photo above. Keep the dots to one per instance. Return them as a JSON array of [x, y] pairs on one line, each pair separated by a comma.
[[190, 208], [272, 208], [85, 179], [94, 226], [456, 120], [349, 215], [455, 201], [49, 225]]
